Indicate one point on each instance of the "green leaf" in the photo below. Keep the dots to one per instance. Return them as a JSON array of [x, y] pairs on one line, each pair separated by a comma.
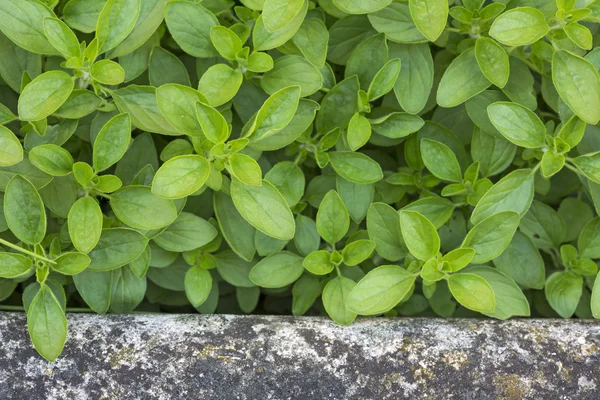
[[397, 23], [14, 265], [190, 25], [44, 95], [514, 192], [333, 220], [47, 324], [24, 211], [112, 142], [420, 235], [318, 262], [367, 59], [397, 125], [510, 300], [383, 226], [61, 37], [311, 40], [589, 239], [107, 72], [589, 165], [165, 68], [518, 124], [430, 17], [277, 14], [198, 284], [277, 270], [238, 233], [80, 103], [595, 302], [563, 291], [52, 159], [355, 167], [472, 292], [181, 176], [275, 113], [438, 210], [263, 39], [543, 225], [576, 81], [11, 150], [335, 295], [462, 80], [440, 160], [214, 126], [141, 104], [493, 61], [187, 233], [380, 290], [178, 105], [85, 224], [519, 26], [151, 15], [522, 262], [292, 70], [127, 290], [71, 263], [415, 81], [117, 247], [95, 289], [357, 252], [289, 180], [245, 169], [23, 22], [490, 237], [227, 43], [385, 79], [139, 208], [115, 22], [264, 208], [358, 7], [338, 106], [359, 132], [219, 84]]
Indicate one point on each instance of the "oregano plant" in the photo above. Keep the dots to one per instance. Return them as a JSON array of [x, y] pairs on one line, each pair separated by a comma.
[[308, 157]]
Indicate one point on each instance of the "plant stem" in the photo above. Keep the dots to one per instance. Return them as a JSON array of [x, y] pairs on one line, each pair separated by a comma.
[[22, 250]]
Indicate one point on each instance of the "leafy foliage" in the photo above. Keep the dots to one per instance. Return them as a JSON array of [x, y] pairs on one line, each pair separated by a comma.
[[339, 157]]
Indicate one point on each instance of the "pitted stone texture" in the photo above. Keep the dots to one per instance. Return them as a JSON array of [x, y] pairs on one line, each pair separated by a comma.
[[260, 357]]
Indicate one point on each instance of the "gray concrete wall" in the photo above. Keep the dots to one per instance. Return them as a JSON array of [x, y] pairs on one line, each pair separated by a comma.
[[260, 357]]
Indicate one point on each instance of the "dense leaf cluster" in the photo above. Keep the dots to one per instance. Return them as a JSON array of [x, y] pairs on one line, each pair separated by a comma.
[[340, 157]]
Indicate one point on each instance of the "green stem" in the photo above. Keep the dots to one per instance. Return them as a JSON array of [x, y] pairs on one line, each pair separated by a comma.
[[22, 250]]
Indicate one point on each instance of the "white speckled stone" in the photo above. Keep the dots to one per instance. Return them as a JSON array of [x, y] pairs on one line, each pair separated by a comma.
[[260, 357]]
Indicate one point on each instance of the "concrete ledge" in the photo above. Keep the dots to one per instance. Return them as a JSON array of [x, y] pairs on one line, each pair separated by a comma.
[[261, 357]]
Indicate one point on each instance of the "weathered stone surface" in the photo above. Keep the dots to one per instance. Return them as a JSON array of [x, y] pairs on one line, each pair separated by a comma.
[[260, 357]]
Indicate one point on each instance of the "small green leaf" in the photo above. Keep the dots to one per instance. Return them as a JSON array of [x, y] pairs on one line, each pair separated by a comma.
[[333, 220], [518, 124], [430, 17], [357, 252], [214, 126], [473, 292], [264, 208], [563, 291], [85, 224], [14, 265], [181, 176], [519, 26], [277, 270], [335, 296], [71, 263], [380, 290], [52, 159], [420, 235], [139, 208], [47, 324], [493, 61], [11, 150], [245, 169], [318, 262], [198, 284], [440, 160], [355, 167], [44, 95], [490, 237], [24, 211]]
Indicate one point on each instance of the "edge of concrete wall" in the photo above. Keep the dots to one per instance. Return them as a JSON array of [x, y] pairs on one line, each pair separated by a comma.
[[171, 356]]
